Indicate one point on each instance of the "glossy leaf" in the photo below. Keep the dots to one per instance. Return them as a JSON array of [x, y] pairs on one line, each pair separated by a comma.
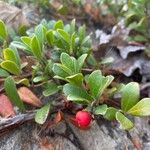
[[98, 83], [100, 110], [110, 113], [3, 30], [11, 67], [75, 79], [50, 37], [59, 25], [142, 108], [81, 61], [36, 48], [40, 32], [61, 70], [50, 89], [26, 40], [75, 93], [39, 79], [3, 73], [67, 61], [125, 123], [24, 81], [64, 35], [11, 91], [9, 55], [42, 114], [130, 96]]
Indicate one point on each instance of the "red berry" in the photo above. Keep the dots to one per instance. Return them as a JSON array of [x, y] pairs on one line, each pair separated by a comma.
[[83, 118]]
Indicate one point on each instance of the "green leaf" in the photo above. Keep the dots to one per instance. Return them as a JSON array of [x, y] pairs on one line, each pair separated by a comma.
[[61, 70], [130, 96], [26, 40], [36, 48], [125, 123], [72, 26], [24, 81], [10, 55], [110, 113], [42, 114], [100, 110], [64, 35], [11, 67], [39, 79], [142, 108], [50, 37], [72, 45], [98, 83], [22, 46], [59, 25], [76, 79], [11, 91], [40, 32], [3, 30], [82, 31], [3, 73], [50, 89], [67, 61], [76, 93], [49, 66], [81, 61]]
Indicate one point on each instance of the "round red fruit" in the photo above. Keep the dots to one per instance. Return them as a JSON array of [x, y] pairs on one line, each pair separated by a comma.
[[83, 118]]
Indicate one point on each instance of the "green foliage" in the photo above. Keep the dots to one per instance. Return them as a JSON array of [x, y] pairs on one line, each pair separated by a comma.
[[130, 95], [125, 123], [141, 108], [60, 55], [11, 91], [98, 83], [3, 31], [11, 62], [42, 114]]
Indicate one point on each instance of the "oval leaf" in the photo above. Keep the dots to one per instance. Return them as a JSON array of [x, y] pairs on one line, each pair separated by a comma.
[[29, 97], [76, 79], [51, 89], [42, 114], [11, 67], [130, 96], [6, 107], [110, 113], [76, 93], [142, 108], [11, 92], [98, 83], [125, 123], [100, 110], [36, 47], [3, 30]]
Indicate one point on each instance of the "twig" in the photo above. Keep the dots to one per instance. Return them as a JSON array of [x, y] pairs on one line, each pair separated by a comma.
[[10, 123]]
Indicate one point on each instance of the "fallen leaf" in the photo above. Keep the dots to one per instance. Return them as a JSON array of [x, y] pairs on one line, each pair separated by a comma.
[[59, 117], [29, 97], [6, 107]]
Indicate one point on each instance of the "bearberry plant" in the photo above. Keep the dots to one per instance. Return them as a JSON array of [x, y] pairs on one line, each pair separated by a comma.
[[61, 55]]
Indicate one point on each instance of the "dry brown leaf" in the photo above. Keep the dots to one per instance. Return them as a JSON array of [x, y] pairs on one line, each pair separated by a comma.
[[6, 107], [29, 97], [12, 16], [59, 117]]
